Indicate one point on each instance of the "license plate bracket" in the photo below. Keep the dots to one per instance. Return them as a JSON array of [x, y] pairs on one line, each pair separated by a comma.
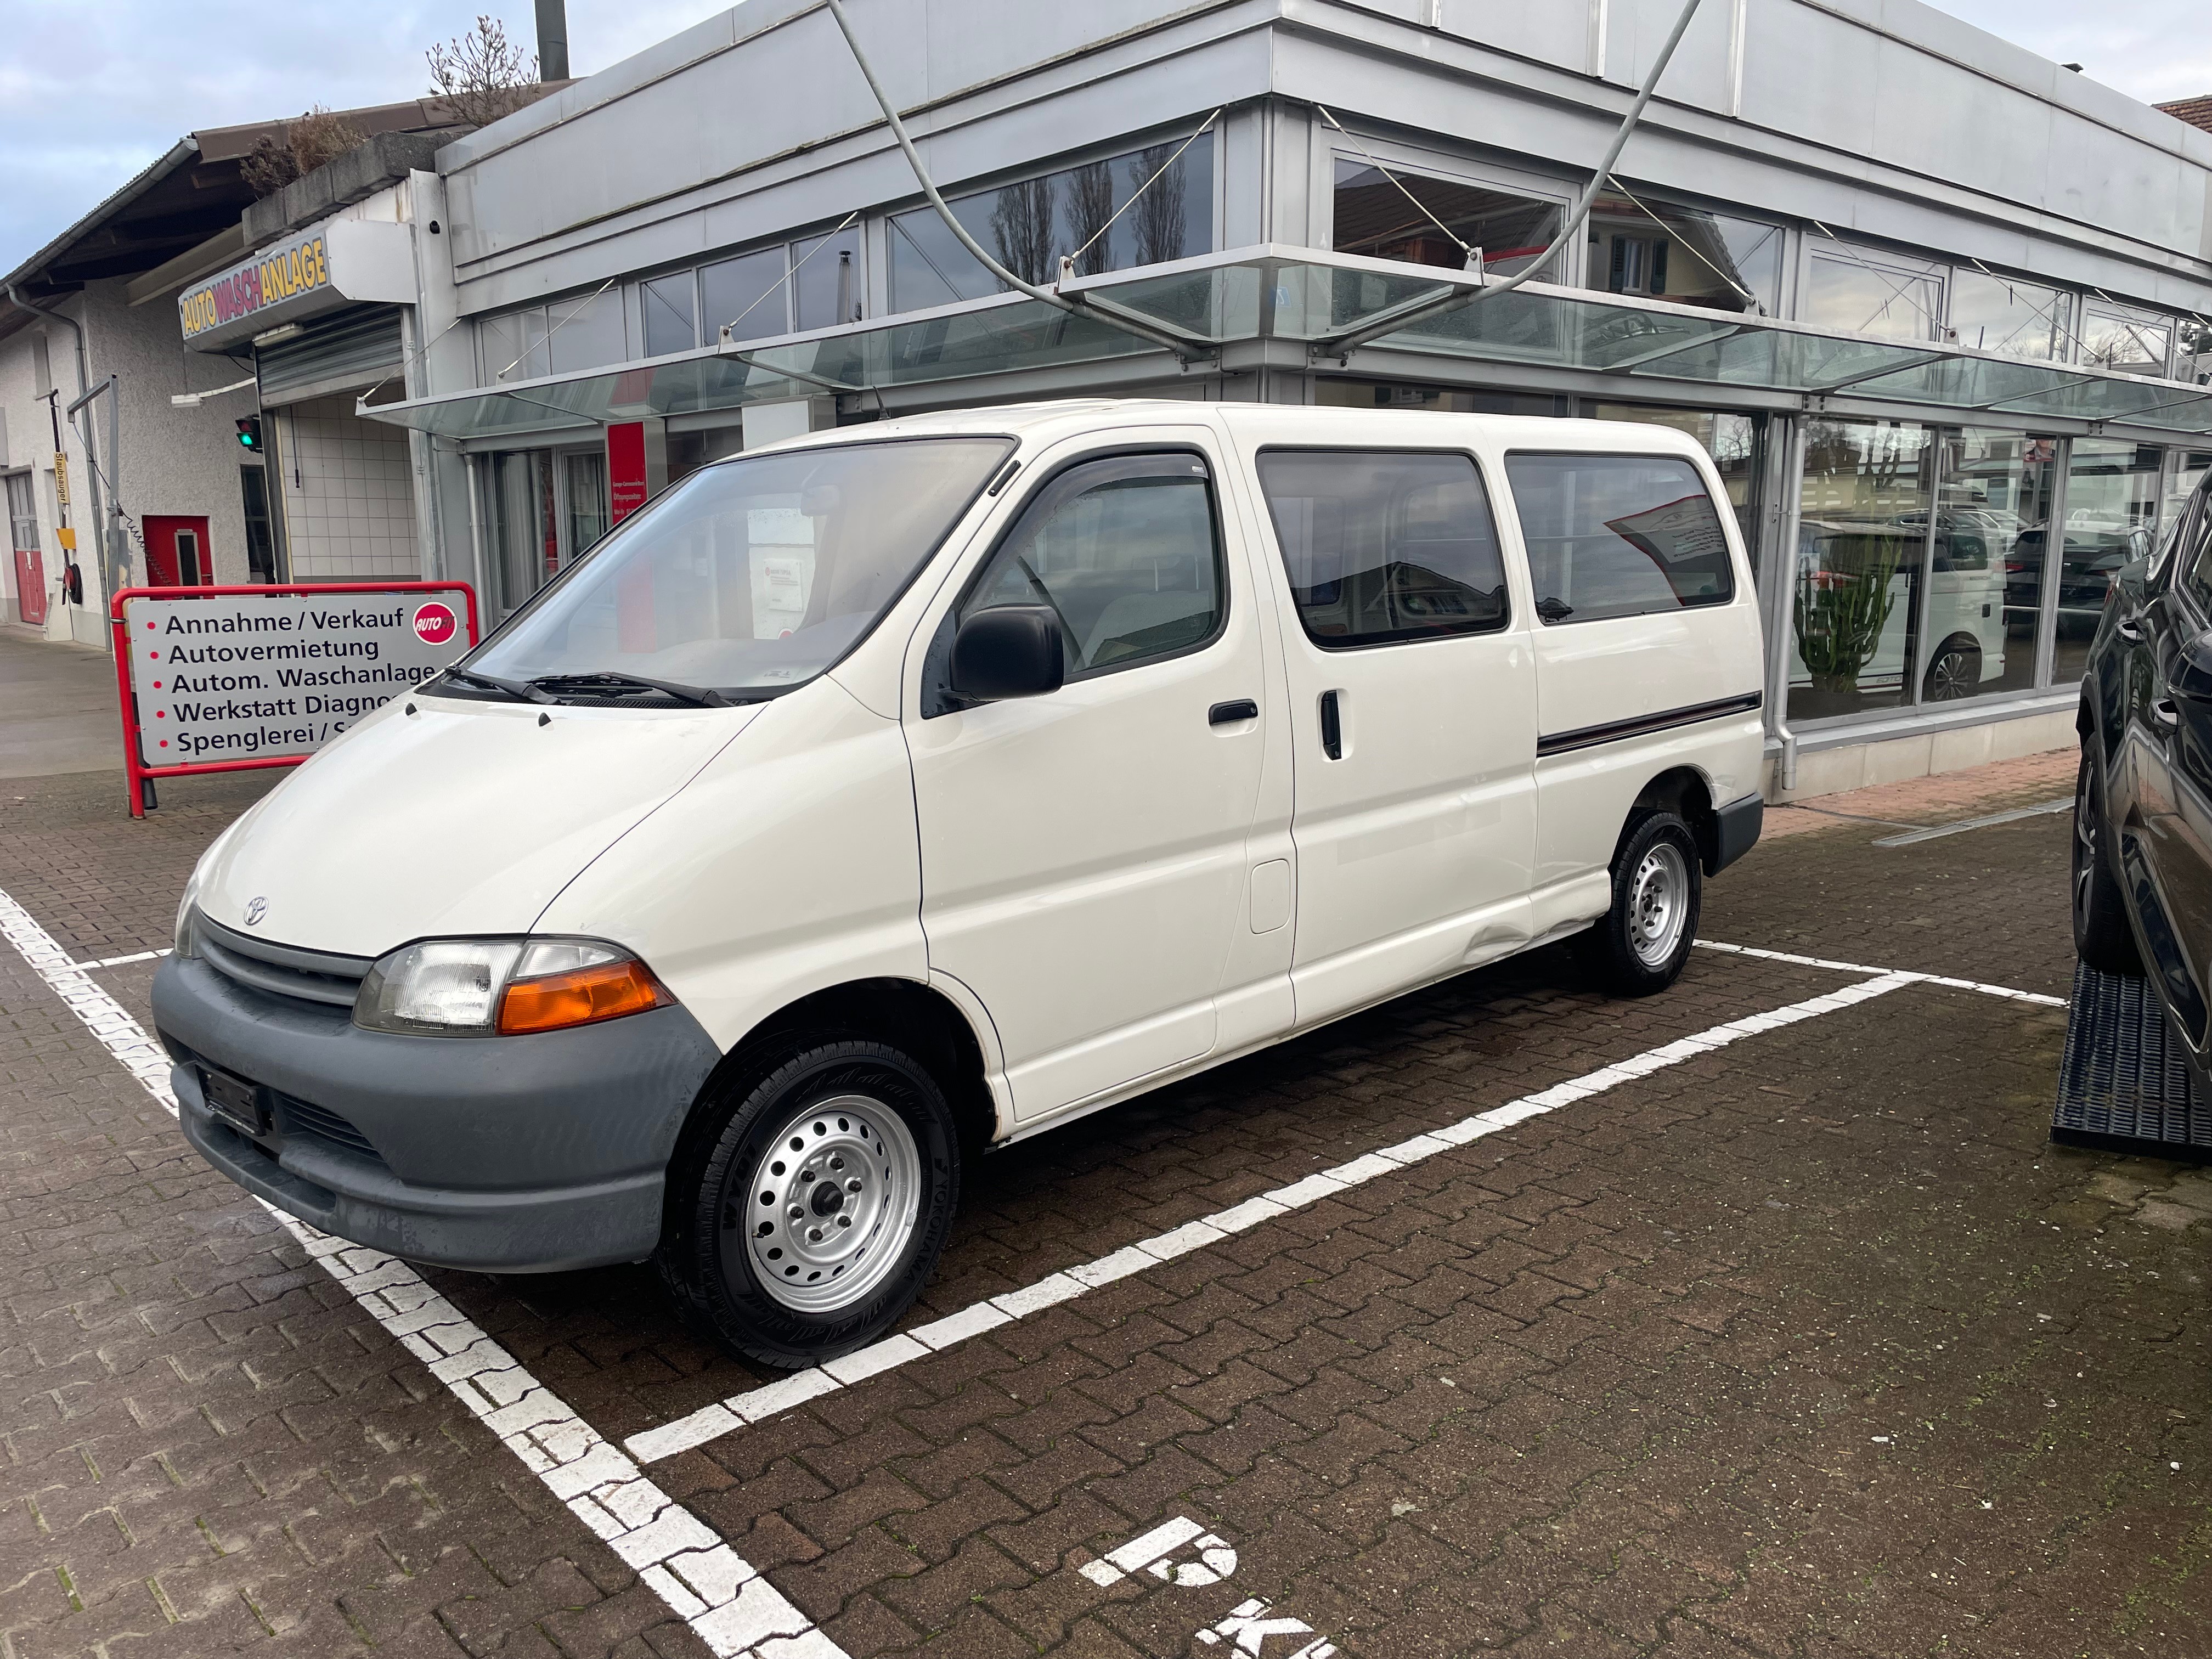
[[243, 1105]]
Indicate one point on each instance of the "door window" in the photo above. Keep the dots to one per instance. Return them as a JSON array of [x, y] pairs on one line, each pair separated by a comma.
[[1126, 554], [1384, 546], [1618, 535]]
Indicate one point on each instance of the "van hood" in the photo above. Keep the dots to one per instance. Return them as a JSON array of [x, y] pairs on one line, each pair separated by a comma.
[[458, 819]]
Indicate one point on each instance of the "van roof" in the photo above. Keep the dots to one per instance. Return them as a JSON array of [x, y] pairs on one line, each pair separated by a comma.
[[1045, 422]]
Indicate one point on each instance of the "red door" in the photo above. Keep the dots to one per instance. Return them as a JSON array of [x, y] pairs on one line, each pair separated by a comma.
[[30, 586], [177, 551]]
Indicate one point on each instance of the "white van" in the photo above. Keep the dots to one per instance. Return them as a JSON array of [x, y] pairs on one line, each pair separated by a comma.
[[874, 798]]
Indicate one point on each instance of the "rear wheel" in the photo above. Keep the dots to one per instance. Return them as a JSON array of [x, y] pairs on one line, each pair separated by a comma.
[[1955, 672], [2102, 937], [1638, 947], [810, 1208]]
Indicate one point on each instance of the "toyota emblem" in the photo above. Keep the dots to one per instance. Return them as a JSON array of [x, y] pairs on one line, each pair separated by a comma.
[[256, 907]]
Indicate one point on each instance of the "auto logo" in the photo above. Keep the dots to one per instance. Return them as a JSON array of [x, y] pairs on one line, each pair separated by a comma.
[[256, 908]]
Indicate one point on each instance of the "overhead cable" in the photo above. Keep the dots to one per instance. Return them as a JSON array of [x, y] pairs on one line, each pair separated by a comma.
[[1184, 346], [1343, 344]]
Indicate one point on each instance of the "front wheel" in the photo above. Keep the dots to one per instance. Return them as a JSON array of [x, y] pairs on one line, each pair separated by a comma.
[[2102, 937], [809, 1209], [1638, 947]]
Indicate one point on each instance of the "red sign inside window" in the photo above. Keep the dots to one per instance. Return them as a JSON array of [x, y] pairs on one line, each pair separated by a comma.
[[625, 470]]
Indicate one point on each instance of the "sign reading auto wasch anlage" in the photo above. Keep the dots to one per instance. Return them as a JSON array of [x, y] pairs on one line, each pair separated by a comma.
[[248, 677], [337, 263]]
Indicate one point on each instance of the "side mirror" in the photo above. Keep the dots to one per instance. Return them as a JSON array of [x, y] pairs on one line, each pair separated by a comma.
[[1009, 651]]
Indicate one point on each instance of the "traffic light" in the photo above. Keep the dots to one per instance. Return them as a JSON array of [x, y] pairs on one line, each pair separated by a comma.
[[249, 432]]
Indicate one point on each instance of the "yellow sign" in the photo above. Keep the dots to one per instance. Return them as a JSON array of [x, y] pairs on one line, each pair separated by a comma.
[[61, 477], [248, 289], [68, 538]]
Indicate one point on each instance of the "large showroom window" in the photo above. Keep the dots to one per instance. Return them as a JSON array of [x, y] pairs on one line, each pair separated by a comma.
[[1375, 218], [1029, 225]]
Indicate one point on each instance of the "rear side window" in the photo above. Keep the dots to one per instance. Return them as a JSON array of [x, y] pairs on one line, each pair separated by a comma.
[[1383, 546], [1618, 535], [1124, 551]]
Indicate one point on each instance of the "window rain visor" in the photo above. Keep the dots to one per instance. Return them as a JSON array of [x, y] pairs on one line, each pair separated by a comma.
[[754, 575]]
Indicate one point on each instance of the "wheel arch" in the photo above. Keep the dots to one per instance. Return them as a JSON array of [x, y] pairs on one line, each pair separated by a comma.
[[1687, 793], [906, 1013]]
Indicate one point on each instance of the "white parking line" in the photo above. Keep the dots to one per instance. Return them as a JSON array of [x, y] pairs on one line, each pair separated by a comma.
[[735, 1611], [2004, 991], [118, 962], [712, 1422]]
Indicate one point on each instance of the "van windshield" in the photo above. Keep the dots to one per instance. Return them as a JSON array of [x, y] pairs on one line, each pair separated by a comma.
[[749, 578]]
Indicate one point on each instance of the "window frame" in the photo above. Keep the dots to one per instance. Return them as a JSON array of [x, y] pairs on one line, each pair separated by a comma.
[[1568, 263], [1723, 510], [1505, 624], [1814, 248], [1019, 512]]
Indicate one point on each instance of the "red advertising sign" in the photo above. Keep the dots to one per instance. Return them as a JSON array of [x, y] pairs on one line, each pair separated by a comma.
[[227, 679]]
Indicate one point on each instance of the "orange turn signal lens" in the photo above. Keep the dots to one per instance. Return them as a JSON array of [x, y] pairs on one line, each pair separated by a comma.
[[582, 996]]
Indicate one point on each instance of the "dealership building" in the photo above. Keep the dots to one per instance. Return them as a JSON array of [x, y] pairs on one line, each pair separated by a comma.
[[1938, 308]]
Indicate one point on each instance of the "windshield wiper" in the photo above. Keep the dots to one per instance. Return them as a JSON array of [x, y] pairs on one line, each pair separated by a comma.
[[700, 696], [514, 688]]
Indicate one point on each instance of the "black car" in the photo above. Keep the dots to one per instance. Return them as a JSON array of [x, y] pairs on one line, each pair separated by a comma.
[[2142, 810]]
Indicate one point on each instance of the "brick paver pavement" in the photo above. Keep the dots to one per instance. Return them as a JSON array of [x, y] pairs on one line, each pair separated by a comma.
[[1810, 1346]]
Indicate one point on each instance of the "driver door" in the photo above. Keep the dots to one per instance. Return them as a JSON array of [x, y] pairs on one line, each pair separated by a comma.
[[1083, 857]]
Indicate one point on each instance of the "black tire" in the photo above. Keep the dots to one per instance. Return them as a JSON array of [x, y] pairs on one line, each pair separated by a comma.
[[2102, 937], [1625, 951], [880, 1117], [1954, 671]]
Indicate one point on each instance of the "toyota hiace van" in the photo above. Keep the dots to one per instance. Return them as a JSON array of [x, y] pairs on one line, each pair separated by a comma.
[[872, 800]]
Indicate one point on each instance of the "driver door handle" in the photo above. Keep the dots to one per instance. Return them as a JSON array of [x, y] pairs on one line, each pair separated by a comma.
[[1228, 713]]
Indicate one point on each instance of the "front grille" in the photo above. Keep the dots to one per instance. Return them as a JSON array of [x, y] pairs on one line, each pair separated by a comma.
[[284, 971], [320, 1123]]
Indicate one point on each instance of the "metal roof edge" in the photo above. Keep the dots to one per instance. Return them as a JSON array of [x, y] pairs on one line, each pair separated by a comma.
[[182, 151]]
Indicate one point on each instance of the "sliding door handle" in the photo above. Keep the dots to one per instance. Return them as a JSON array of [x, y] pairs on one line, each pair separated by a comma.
[[1228, 713], [1332, 726]]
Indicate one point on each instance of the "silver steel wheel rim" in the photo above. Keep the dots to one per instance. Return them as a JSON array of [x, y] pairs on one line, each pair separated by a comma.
[[833, 1202], [1658, 905]]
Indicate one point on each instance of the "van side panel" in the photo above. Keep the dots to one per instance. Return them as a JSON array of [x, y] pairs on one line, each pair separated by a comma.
[[1623, 699], [788, 865]]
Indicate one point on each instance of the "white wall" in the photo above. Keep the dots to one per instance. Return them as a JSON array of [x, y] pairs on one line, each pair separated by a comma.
[[348, 498], [182, 461]]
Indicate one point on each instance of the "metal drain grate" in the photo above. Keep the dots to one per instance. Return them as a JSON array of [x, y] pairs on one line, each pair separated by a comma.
[[2122, 1084]]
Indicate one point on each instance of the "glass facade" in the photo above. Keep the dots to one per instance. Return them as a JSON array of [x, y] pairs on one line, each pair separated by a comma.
[[1085, 212], [541, 508], [2125, 341], [1394, 214], [2112, 494], [1986, 565], [1861, 547], [2001, 314], [1687, 255], [1859, 292]]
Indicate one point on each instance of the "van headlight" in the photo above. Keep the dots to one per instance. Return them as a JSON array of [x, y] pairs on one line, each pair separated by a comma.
[[503, 987], [181, 933]]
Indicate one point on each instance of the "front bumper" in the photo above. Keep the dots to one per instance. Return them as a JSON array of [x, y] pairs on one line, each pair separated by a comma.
[[528, 1154]]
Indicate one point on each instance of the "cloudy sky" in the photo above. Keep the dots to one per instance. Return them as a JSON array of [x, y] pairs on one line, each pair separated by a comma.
[[90, 93]]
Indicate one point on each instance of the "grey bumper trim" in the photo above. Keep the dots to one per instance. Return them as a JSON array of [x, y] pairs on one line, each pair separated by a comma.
[[1735, 832], [509, 1154]]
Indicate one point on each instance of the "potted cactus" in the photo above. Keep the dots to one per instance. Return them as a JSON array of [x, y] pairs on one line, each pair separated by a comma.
[[1843, 603]]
